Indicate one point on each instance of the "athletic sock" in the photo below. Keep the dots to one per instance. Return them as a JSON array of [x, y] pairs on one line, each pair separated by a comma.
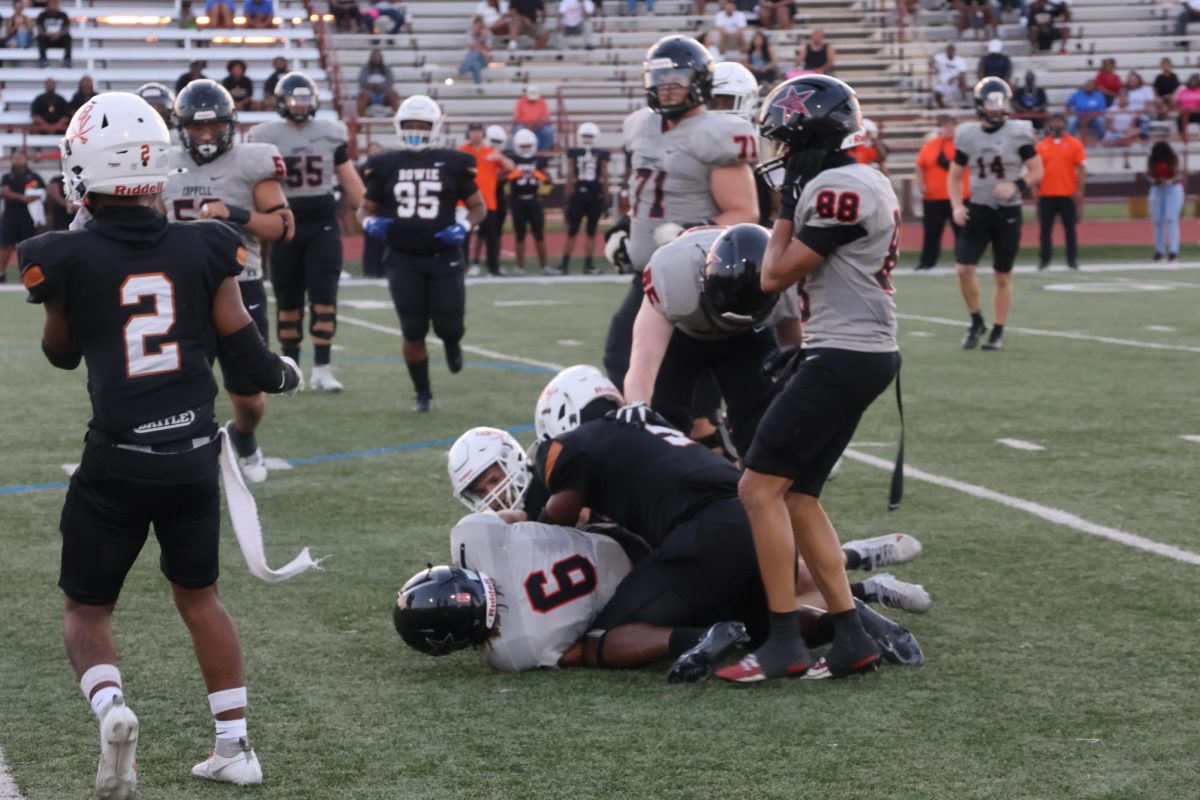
[[684, 639], [977, 319], [853, 558], [784, 646], [231, 729], [853, 650], [244, 443], [419, 372], [291, 351], [103, 698], [321, 354], [997, 331], [588, 264], [566, 263]]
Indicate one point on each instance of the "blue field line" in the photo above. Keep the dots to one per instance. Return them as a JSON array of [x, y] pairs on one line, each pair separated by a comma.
[[295, 462]]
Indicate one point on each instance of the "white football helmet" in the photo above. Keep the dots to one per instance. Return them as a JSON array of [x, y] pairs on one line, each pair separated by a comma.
[[560, 407], [495, 136], [733, 80], [525, 142], [116, 144], [419, 108], [587, 135], [477, 450], [871, 128]]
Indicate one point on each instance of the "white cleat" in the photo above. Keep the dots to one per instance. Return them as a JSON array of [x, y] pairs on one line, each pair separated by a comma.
[[322, 380], [254, 467], [836, 469], [116, 777], [890, 592], [230, 762], [884, 551]]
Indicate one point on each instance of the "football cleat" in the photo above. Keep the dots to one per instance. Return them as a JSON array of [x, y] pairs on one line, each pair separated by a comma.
[[889, 592], [424, 404], [748, 670], [884, 551], [254, 467], [230, 762], [994, 342], [896, 644], [590, 269], [322, 380], [695, 665], [846, 658], [116, 777], [454, 356], [974, 334]]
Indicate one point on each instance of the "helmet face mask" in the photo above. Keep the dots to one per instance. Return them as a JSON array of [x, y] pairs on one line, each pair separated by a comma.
[[206, 116], [441, 610], [677, 75], [296, 97], [488, 470]]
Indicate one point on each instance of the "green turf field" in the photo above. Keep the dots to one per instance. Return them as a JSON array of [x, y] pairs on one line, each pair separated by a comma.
[[1059, 664]]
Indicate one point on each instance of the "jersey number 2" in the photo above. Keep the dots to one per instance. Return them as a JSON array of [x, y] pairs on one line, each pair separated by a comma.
[[139, 360], [575, 576]]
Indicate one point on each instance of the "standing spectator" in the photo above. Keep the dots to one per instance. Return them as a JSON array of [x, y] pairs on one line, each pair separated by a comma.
[[53, 31], [1030, 101], [1166, 199], [83, 92], [479, 51], [19, 29], [1187, 100], [494, 14], [259, 13], [532, 112], [1189, 13], [1108, 81], [731, 25], [1044, 24], [574, 19], [527, 17], [376, 96], [220, 13], [949, 77], [774, 14], [760, 59], [280, 65], [816, 55], [346, 15], [996, 63], [933, 169], [186, 21], [1166, 84], [59, 210], [489, 163], [19, 188], [50, 111], [977, 15], [240, 87], [195, 72], [1087, 106], [1064, 161]]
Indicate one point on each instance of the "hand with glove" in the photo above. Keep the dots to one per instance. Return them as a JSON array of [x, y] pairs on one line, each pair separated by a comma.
[[292, 376], [377, 227], [799, 169], [453, 235], [780, 364], [637, 414]]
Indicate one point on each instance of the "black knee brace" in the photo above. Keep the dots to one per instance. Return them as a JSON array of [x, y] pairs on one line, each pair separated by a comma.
[[328, 318], [289, 332]]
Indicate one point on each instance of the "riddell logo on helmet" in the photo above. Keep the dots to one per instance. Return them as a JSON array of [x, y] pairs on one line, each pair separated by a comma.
[[140, 189]]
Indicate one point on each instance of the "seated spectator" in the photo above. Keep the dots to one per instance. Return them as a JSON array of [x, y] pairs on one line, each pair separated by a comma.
[[527, 17], [376, 96], [1019, 6], [259, 13], [1108, 81], [280, 65], [1141, 99], [1187, 100], [949, 77], [50, 111], [1087, 106], [479, 51], [1121, 124], [53, 31], [709, 40], [186, 20], [996, 64], [83, 92], [760, 59], [631, 7], [19, 28], [816, 55], [1029, 100], [494, 14], [1166, 84], [240, 87], [574, 19], [346, 15], [776, 14], [220, 13], [1044, 21], [1189, 13], [976, 15], [731, 25], [532, 112], [195, 72]]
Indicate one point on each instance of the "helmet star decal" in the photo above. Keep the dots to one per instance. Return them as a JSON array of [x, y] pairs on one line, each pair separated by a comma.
[[447, 644], [794, 102]]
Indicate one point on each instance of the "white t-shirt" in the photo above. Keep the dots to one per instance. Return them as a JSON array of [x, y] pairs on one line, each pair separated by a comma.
[[574, 12], [948, 69], [489, 15], [1141, 99], [730, 23]]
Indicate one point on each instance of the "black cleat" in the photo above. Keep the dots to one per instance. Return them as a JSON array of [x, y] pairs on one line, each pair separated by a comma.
[[1043, 265], [454, 356], [1073, 265], [974, 334], [590, 269], [424, 404], [697, 664], [896, 644], [994, 342]]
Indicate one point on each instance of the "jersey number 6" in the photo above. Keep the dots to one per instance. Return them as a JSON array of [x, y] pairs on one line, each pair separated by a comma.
[[575, 576]]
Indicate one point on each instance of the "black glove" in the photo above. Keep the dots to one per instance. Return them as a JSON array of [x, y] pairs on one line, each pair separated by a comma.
[[799, 169], [780, 364]]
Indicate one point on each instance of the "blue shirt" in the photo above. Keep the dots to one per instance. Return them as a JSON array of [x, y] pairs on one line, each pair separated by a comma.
[[1080, 101], [258, 7]]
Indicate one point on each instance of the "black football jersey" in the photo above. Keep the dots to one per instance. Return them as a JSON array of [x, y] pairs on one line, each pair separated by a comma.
[[525, 177], [587, 169], [421, 189], [647, 480], [138, 294]]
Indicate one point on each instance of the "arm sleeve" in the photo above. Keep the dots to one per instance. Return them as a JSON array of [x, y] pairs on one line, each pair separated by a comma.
[[466, 184], [374, 176], [341, 148]]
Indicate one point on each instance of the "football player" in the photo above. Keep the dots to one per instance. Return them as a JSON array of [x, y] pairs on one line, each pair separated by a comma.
[[587, 194], [137, 298], [996, 150], [316, 155], [410, 202], [688, 167], [162, 100], [525, 181], [735, 92], [216, 178]]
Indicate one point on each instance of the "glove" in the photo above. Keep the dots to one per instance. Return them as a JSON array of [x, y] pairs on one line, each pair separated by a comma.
[[377, 227], [637, 414], [453, 235], [292, 378], [799, 169], [666, 232], [616, 252], [780, 364]]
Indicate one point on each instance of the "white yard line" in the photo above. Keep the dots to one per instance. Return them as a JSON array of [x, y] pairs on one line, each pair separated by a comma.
[[1054, 515], [479, 351], [1161, 329], [1020, 444], [8, 787], [1190, 437], [1073, 335]]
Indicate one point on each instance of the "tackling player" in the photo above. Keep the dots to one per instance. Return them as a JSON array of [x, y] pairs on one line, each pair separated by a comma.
[[240, 183], [410, 201], [587, 194], [525, 180], [138, 298], [316, 154], [995, 150]]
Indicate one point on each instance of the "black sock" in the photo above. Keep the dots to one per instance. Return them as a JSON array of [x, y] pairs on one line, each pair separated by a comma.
[[419, 372], [566, 263], [291, 351], [853, 558], [321, 354], [784, 646], [997, 331], [684, 639], [587, 263], [853, 650], [859, 590], [244, 443], [977, 319]]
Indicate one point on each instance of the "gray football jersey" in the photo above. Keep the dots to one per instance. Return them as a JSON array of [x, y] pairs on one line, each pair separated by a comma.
[[994, 157], [551, 581], [672, 284], [230, 178], [670, 177], [308, 153], [850, 295]]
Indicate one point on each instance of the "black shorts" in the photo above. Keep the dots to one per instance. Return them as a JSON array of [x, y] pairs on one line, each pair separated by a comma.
[[584, 206], [998, 227], [110, 507], [15, 227], [809, 423], [528, 214], [427, 289], [311, 262], [705, 571], [254, 297]]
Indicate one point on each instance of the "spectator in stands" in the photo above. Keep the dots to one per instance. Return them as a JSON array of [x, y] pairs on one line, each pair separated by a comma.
[[479, 51], [527, 17], [53, 31], [1087, 106], [709, 40], [346, 15], [195, 72], [376, 97], [1120, 123], [240, 87], [220, 13], [389, 17], [259, 13], [59, 210], [1044, 24], [186, 20], [533, 113], [50, 110], [19, 188], [774, 14], [1187, 100], [933, 171], [1189, 13], [976, 15], [1141, 96], [1020, 6], [631, 7], [760, 59], [1029, 99], [816, 55], [1108, 81], [1060, 194], [731, 27], [494, 14], [1166, 84], [1166, 199], [949, 77], [574, 19], [19, 29], [83, 92], [280, 65], [996, 63]]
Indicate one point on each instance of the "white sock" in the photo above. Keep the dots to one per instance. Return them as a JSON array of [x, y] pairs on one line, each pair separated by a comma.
[[231, 729], [103, 698]]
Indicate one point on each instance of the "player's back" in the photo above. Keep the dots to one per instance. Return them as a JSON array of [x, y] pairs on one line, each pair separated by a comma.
[[994, 157], [310, 154], [552, 582], [420, 189]]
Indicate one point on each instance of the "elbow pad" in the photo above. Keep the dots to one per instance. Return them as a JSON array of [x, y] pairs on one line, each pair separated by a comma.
[[68, 360], [267, 371]]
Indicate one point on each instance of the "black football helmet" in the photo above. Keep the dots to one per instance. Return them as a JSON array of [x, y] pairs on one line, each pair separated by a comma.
[[679, 61], [993, 100], [444, 609], [811, 112], [202, 102], [296, 97], [161, 99], [730, 293]]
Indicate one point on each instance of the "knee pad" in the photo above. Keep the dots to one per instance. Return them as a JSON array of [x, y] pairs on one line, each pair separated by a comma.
[[289, 331], [327, 320]]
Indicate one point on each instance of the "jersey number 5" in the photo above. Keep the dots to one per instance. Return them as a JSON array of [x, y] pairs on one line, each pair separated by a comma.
[[417, 197], [575, 576], [140, 361]]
